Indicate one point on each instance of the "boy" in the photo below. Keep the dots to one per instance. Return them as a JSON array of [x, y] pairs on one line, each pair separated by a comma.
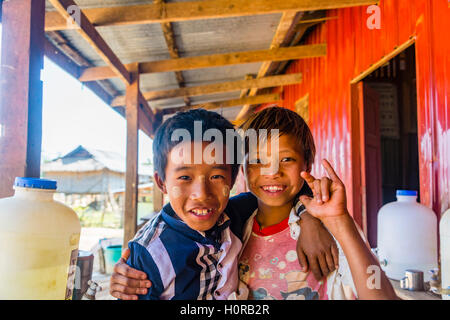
[[190, 250], [267, 265]]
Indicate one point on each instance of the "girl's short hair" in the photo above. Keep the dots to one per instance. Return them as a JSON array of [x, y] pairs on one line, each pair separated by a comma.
[[287, 122]]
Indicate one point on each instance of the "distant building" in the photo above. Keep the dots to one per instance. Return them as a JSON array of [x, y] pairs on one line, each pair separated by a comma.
[[89, 171]]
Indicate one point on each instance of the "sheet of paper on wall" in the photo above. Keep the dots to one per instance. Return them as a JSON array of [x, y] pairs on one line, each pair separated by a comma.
[[389, 119]]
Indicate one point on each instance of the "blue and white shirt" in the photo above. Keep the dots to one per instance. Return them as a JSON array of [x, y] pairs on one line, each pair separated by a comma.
[[185, 264]]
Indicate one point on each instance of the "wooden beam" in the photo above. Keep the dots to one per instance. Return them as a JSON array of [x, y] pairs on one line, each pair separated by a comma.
[[146, 123], [90, 34], [173, 51], [22, 54], [131, 177], [274, 97], [307, 21], [385, 59], [195, 10], [245, 92], [215, 60], [286, 22], [267, 82], [289, 24], [71, 67]]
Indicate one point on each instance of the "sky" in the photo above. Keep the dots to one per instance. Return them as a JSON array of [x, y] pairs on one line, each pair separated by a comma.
[[73, 115]]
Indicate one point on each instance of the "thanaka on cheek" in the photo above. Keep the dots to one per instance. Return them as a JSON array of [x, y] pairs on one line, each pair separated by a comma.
[[176, 192], [226, 191]]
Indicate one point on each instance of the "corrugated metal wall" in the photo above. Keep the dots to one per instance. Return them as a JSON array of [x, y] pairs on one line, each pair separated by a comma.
[[352, 49]]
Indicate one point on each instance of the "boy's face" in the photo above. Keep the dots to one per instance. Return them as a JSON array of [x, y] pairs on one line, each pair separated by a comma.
[[198, 193], [279, 187]]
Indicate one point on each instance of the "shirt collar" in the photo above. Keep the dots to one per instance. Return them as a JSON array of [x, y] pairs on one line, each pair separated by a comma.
[[292, 220], [171, 218]]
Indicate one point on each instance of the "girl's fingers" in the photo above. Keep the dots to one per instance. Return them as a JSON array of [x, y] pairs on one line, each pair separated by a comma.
[[325, 185], [309, 179], [317, 191], [334, 177]]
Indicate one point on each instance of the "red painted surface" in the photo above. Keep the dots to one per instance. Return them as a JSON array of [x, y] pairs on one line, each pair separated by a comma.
[[352, 49]]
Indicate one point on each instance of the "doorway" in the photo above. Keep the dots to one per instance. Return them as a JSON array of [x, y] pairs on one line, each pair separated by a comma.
[[388, 136]]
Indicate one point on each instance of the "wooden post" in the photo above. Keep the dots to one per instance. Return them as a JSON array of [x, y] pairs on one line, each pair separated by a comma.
[[21, 91], [132, 178]]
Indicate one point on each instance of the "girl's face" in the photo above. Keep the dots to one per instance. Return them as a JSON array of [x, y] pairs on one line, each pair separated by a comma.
[[279, 187]]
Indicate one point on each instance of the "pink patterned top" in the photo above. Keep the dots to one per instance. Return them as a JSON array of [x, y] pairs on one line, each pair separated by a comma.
[[269, 267]]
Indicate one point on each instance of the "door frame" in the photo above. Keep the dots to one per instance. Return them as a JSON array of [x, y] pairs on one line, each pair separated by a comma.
[[357, 136]]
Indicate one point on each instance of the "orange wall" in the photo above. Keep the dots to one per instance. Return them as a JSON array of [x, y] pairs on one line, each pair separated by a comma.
[[352, 49]]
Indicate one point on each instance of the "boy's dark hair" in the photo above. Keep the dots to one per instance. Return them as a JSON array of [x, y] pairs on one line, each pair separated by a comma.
[[162, 143], [287, 122]]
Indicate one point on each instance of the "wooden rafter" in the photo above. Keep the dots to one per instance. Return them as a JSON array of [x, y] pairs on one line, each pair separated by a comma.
[[286, 21], [64, 62], [90, 34], [289, 21], [266, 82], [215, 60], [307, 21], [173, 51], [195, 10], [273, 97], [245, 92], [59, 50]]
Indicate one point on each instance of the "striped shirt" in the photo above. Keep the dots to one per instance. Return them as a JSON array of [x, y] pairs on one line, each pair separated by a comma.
[[185, 264]]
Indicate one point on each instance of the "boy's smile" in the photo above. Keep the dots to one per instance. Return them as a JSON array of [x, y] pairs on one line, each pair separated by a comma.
[[198, 193]]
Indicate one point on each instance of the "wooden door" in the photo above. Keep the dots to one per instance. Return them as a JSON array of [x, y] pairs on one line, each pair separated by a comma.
[[370, 159]]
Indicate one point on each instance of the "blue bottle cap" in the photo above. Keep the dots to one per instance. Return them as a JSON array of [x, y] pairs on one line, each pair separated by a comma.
[[35, 183], [411, 193]]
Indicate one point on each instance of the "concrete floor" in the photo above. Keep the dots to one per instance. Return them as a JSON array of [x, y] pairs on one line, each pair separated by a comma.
[[89, 241]]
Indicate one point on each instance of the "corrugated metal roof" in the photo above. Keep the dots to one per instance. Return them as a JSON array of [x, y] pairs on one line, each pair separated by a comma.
[[138, 43]]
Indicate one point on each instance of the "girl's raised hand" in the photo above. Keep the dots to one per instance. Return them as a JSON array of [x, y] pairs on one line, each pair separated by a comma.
[[329, 194]]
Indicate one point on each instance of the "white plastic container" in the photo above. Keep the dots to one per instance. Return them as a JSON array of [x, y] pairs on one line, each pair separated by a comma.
[[407, 236], [444, 230], [38, 243]]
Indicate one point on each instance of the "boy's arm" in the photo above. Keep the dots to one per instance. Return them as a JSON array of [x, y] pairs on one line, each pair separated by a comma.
[[316, 247], [140, 259], [333, 213], [127, 283]]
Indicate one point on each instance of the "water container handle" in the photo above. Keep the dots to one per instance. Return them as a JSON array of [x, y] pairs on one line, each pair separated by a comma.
[[404, 283]]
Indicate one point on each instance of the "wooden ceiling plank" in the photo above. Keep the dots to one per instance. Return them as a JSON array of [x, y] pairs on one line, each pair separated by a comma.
[[215, 60], [267, 98], [195, 10], [266, 82]]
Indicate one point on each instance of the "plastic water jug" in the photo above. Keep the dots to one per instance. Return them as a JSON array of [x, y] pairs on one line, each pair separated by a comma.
[[407, 236], [38, 243], [444, 230]]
